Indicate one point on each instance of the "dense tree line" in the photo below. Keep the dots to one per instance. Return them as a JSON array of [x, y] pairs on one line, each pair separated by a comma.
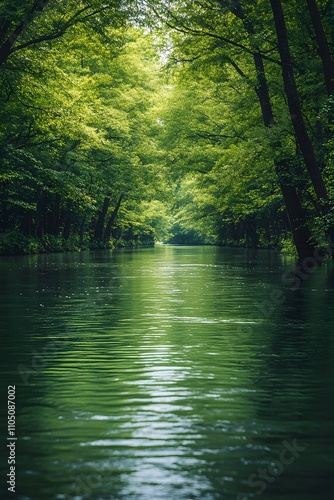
[[256, 84], [78, 87], [206, 121]]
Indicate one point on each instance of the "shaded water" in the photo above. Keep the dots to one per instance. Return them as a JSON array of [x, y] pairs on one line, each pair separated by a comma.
[[169, 373]]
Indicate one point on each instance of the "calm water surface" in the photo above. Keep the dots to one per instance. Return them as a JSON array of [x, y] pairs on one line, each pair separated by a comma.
[[169, 373]]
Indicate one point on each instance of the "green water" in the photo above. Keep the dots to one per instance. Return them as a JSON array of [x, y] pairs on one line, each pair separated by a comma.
[[168, 373]]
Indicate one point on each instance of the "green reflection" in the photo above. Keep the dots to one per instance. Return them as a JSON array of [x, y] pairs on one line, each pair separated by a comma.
[[166, 381]]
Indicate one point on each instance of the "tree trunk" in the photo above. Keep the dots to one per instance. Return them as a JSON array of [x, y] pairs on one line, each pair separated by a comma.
[[40, 218], [26, 225], [296, 214], [251, 233], [107, 232], [291, 91], [301, 234], [7, 47], [53, 217], [82, 229], [324, 50], [67, 228], [101, 218]]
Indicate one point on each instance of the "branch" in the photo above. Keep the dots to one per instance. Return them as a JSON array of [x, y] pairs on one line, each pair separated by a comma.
[[191, 59], [43, 38], [7, 46], [181, 28], [71, 22], [237, 68]]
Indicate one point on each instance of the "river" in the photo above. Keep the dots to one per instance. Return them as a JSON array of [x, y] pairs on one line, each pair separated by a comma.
[[169, 373]]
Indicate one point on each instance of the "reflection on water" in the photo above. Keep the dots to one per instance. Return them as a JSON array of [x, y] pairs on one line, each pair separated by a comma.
[[166, 373]]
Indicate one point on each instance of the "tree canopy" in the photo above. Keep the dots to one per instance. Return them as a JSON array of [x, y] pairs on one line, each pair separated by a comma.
[[129, 122]]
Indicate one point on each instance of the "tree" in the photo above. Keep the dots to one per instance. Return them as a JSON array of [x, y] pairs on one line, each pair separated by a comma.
[[296, 214], [30, 24], [206, 35], [76, 131], [323, 46], [292, 94], [93, 135]]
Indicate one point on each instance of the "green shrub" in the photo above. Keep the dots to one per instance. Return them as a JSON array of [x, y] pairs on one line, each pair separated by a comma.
[[15, 243]]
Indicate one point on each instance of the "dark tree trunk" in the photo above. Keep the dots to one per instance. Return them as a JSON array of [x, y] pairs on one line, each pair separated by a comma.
[[67, 228], [82, 229], [53, 217], [324, 50], [296, 214], [251, 233], [40, 218], [101, 218], [7, 47], [301, 234], [3, 29], [26, 225], [112, 218], [291, 91], [263, 92]]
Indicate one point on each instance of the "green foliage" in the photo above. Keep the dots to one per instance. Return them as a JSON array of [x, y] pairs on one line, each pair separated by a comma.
[[223, 158], [76, 127], [125, 124], [287, 247], [15, 243], [228, 191]]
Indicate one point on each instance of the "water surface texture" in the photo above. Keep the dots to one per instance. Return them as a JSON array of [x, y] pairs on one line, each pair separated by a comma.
[[169, 373]]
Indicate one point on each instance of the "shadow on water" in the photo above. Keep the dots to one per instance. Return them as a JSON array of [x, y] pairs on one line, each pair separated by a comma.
[[295, 385]]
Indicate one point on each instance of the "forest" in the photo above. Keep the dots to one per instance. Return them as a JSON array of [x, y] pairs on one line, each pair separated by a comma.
[[129, 122]]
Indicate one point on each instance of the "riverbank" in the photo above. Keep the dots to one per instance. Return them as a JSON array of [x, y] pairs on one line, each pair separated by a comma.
[[16, 243]]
